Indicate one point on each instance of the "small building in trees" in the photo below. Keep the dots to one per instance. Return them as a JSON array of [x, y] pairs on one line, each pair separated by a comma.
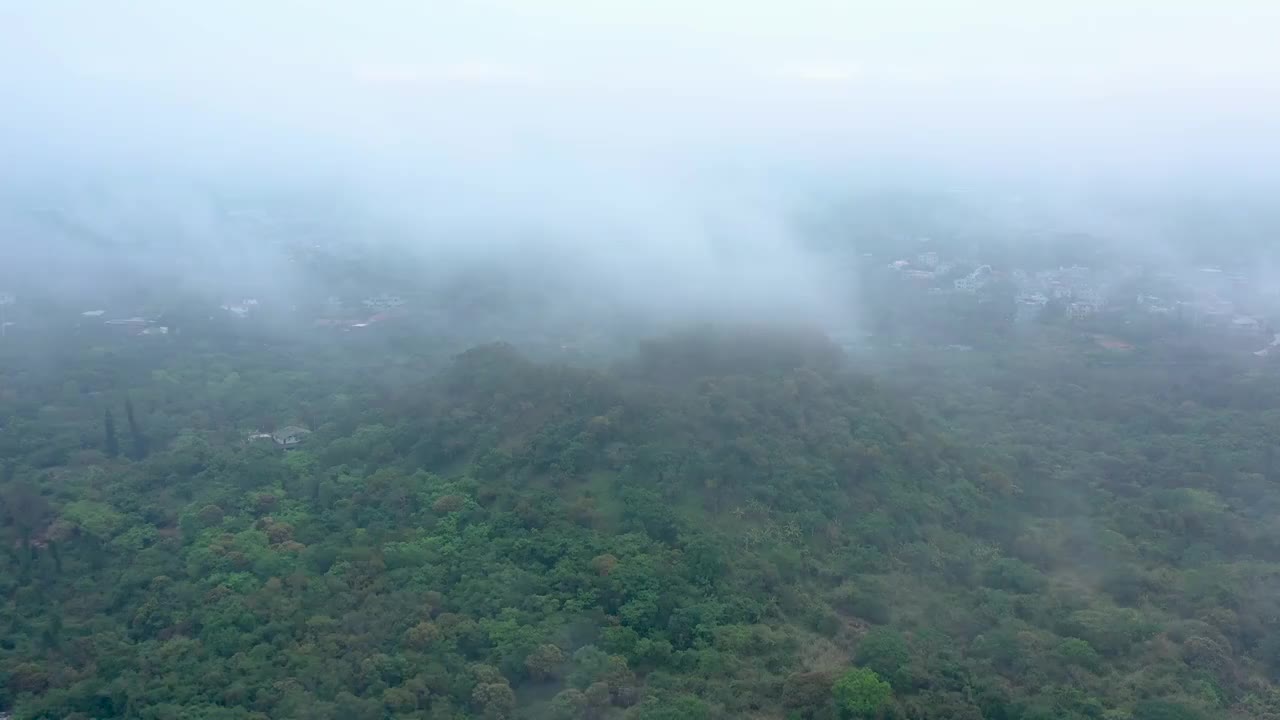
[[290, 436], [974, 281]]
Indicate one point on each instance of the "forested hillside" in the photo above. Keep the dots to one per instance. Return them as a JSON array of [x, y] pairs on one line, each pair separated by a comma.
[[726, 524]]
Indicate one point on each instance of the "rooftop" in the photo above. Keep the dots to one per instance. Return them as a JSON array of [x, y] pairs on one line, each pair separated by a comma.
[[290, 435]]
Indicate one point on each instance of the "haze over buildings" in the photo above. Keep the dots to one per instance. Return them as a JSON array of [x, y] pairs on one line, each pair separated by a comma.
[[631, 146]]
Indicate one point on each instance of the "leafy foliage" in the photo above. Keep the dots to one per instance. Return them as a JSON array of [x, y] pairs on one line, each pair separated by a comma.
[[725, 525], [861, 693]]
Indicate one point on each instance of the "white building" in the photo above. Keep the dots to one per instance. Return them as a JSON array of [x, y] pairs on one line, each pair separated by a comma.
[[383, 302], [1088, 296], [242, 308], [975, 281], [1245, 325], [1029, 306], [291, 436], [1080, 310]]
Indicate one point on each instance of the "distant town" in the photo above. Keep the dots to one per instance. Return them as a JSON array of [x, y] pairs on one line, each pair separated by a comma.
[[344, 288], [1225, 301]]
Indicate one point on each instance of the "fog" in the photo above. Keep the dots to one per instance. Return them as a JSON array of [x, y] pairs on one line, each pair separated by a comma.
[[640, 359], [657, 154]]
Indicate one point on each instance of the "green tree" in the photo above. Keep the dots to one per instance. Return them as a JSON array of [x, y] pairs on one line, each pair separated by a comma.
[[681, 707], [807, 692], [111, 443], [495, 700], [135, 431], [884, 650], [544, 662], [24, 509], [1164, 710], [568, 704], [860, 693], [1074, 651]]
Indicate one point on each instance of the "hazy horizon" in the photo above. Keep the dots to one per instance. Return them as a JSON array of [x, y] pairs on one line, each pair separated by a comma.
[[645, 144], [1171, 87]]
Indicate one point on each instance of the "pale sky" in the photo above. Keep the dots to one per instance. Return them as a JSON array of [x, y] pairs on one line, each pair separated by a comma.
[[638, 131], [1172, 75]]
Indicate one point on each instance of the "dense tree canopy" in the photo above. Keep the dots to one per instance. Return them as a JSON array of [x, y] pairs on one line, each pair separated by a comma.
[[727, 524]]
